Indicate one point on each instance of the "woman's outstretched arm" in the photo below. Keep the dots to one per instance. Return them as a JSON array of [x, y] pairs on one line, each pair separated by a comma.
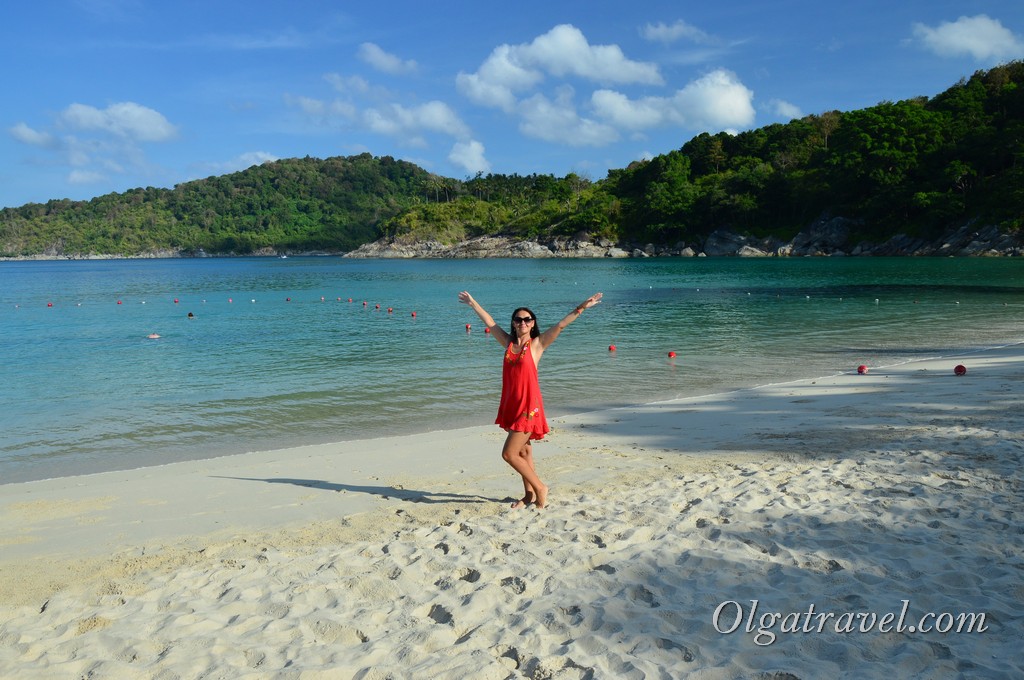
[[548, 336], [499, 333]]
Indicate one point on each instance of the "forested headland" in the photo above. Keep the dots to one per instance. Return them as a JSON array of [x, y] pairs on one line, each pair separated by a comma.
[[920, 167]]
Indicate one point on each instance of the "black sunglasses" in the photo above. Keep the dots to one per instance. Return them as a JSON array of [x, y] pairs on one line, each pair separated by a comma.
[[522, 319]]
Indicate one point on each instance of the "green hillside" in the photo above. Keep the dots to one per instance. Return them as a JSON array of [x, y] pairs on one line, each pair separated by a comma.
[[919, 166]]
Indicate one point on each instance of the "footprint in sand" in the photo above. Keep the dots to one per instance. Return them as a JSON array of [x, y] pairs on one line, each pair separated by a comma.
[[440, 615], [515, 584]]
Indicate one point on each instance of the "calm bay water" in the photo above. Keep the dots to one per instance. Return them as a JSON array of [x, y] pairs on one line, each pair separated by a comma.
[[82, 388]]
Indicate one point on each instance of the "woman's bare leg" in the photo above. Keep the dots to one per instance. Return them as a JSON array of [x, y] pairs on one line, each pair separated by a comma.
[[515, 454], [529, 493]]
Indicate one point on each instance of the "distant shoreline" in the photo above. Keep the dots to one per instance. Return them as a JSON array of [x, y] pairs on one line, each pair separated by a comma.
[[159, 256], [824, 239]]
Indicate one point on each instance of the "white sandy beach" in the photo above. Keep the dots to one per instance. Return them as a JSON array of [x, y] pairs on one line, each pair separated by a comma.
[[832, 502]]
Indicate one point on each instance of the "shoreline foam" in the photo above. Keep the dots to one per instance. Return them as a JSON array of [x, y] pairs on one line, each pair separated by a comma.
[[560, 414]]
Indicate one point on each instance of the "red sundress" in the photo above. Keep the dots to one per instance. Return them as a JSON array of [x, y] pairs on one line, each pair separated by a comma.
[[522, 407]]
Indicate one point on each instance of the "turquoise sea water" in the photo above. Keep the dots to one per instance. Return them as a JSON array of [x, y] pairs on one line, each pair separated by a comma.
[[277, 356]]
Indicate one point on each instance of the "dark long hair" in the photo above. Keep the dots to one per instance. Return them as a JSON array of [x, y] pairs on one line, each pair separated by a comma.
[[534, 332]]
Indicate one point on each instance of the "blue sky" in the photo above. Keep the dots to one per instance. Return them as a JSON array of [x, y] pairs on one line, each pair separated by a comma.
[[107, 95]]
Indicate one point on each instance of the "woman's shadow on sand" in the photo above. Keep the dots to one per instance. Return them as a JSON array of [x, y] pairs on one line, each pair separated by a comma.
[[385, 492]]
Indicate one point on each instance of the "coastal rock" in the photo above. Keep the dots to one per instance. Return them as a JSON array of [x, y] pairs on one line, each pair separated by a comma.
[[494, 246], [392, 249], [826, 236], [489, 247], [577, 247], [900, 244], [970, 240], [724, 242]]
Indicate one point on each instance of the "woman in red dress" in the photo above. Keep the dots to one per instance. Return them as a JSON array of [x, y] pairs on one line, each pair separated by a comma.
[[521, 411]]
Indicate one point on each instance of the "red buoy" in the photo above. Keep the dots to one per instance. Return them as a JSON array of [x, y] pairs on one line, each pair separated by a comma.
[[671, 355], [118, 302], [49, 304], [175, 300], [862, 369], [487, 330], [389, 310], [414, 314], [468, 326], [960, 370], [378, 307], [611, 348]]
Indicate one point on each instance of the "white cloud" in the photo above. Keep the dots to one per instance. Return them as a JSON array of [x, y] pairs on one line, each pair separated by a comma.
[[79, 152], [979, 36], [405, 123], [385, 61], [86, 177], [784, 109], [700, 47], [716, 101], [308, 105], [125, 119], [561, 52], [558, 121], [469, 156], [509, 77], [26, 135], [564, 51], [251, 158], [323, 113], [96, 144], [480, 90], [321, 110], [620, 110], [240, 162], [498, 79], [347, 85], [665, 33], [411, 126]]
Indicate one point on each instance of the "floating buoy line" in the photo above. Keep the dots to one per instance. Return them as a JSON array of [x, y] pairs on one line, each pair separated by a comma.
[[862, 369]]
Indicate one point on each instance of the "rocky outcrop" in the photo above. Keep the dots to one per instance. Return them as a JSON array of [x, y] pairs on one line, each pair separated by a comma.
[[828, 237], [988, 240], [490, 247], [825, 236], [723, 242], [397, 250]]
